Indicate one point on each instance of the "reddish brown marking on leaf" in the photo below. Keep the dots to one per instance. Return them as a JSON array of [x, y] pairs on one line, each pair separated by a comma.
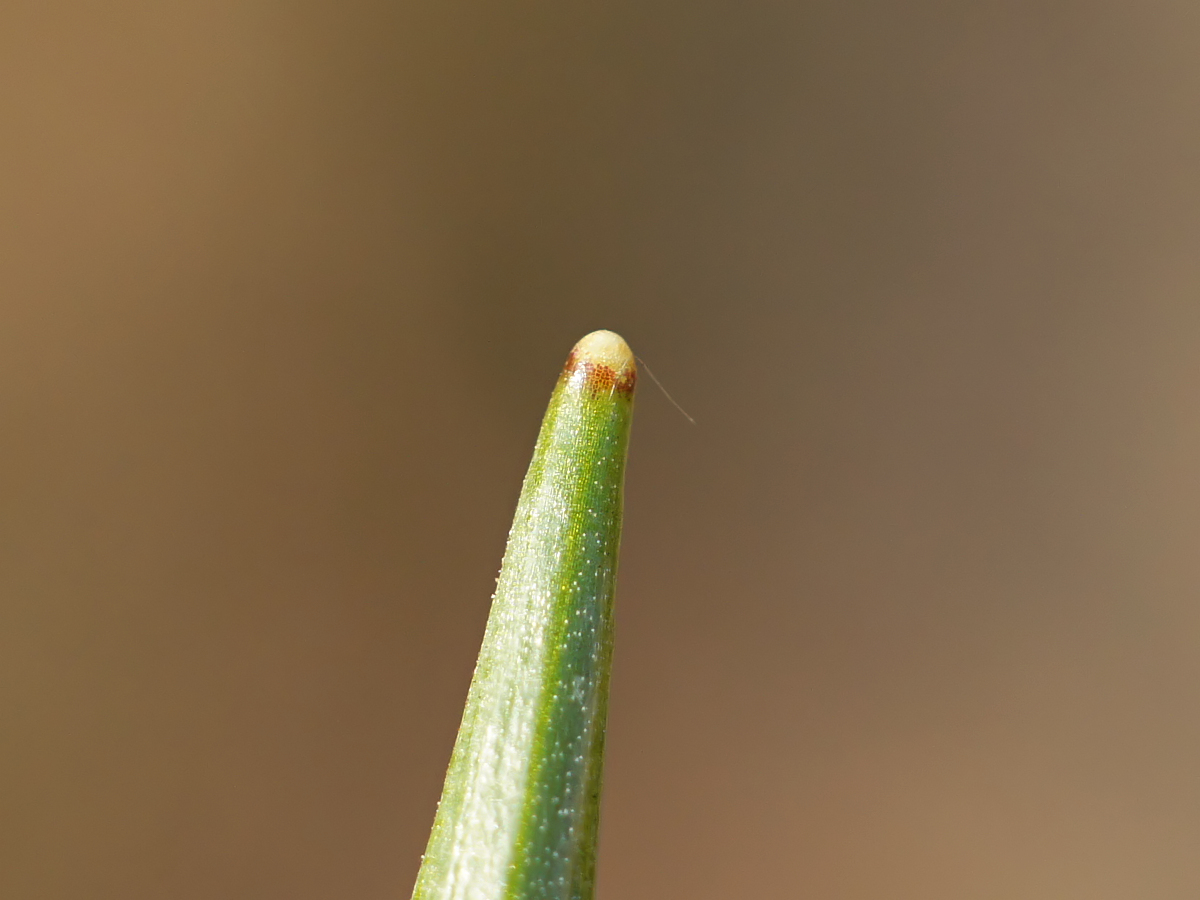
[[598, 378]]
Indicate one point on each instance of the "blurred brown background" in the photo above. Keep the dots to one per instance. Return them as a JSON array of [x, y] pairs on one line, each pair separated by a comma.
[[913, 612]]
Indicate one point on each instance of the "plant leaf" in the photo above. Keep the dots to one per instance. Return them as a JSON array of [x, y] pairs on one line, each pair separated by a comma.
[[519, 813]]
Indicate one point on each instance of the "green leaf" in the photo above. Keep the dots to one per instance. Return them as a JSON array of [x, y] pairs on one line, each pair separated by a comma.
[[519, 813]]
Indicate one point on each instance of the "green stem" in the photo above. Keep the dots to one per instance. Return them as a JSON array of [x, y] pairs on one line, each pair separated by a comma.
[[519, 813]]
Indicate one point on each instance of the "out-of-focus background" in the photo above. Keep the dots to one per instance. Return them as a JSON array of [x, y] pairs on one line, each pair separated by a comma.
[[912, 612]]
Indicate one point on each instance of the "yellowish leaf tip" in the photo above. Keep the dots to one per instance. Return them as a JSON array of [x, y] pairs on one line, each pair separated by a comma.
[[603, 361]]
